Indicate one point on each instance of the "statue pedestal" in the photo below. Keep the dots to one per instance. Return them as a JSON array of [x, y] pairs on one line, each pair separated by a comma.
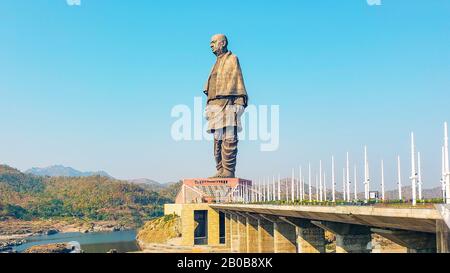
[[209, 190]]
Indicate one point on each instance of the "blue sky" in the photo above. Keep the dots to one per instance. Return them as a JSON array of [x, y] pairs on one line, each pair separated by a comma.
[[92, 86]]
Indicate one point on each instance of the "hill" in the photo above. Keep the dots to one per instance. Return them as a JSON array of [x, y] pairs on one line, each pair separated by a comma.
[[27, 196], [59, 170], [147, 183]]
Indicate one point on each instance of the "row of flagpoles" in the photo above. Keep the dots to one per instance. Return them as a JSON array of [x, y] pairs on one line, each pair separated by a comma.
[[268, 190]]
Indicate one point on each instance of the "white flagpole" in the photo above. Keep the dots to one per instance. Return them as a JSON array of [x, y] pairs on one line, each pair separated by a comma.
[[273, 188], [320, 182], [287, 189], [343, 184], [253, 193], [355, 179], [382, 181], [293, 185], [348, 179], [279, 188], [333, 181], [324, 187], [247, 193], [257, 191], [299, 190], [261, 185], [309, 183], [266, 183], [420, 175], [244, 193], [266, 196], [366, 175], [261, 193], [399, 179], [443, 173], [447, 170], [413, 171], [303, 188], [266, 190], [317, 188]]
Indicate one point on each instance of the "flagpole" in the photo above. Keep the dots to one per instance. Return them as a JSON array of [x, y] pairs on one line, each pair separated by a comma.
[[382, 181], [333, 181], [348, 179], [399, 179], [343, 183], [292, 185], [413, 171], [354, 183], [419, 163], [300, 189], [317, 188], [279, 188], [446, 160], [320, 182], [309, 183]]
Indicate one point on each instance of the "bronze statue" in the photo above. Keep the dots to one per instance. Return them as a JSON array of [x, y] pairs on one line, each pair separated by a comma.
[[227, 100]]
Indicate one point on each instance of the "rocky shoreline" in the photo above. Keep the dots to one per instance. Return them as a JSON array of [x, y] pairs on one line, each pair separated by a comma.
[[15, 232]]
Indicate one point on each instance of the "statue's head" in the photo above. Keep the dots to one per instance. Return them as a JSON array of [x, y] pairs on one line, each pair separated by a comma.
[[219, 44]]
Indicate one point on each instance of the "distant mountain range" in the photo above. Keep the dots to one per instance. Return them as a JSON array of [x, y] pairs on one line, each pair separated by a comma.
[[63, 171], [59, 170]]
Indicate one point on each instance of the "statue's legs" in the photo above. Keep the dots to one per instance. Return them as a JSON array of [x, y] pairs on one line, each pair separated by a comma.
[[218, 141], [218, 154], [229, 152]]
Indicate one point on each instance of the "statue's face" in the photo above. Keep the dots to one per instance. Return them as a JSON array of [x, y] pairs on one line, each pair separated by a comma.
[[218, 44]]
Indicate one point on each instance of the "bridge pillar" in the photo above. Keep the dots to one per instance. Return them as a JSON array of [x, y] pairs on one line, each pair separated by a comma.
[[265, 236], [252, 234], [443, 229], [284, 235], [310, 238], [234, 231], [349, 238], [242, 232], [442, 237], [228, 230], [381, 244], [415, 242]]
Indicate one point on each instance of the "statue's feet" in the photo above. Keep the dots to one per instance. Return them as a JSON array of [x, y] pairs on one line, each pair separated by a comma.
[[227, 174], [217, 175]]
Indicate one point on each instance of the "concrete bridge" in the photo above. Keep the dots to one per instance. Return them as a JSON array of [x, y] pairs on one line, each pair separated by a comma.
[[301, 229]]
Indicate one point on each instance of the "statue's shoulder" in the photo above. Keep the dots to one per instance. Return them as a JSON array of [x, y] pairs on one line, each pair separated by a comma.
[[232, 57]]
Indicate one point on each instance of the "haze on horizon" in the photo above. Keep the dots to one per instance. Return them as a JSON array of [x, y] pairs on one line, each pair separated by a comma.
[[92, 86]]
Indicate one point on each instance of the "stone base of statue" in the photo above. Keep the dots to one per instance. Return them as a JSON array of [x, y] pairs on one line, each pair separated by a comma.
[[210, 190]]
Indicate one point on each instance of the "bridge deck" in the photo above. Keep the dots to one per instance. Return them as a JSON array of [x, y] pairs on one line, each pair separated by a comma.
[[397, 218]]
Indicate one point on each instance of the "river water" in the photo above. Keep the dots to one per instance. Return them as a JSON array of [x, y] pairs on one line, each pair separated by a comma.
[[95, 242]]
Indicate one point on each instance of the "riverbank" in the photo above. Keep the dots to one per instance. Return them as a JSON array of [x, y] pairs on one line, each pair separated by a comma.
[[15, 232]]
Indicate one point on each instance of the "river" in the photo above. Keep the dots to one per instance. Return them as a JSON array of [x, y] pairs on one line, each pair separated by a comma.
[[95, 242]]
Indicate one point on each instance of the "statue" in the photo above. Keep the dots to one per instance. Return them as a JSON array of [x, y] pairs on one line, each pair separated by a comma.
[[227, 100]]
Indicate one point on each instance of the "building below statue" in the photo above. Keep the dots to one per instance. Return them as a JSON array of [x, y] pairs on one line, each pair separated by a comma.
[[214, 190]]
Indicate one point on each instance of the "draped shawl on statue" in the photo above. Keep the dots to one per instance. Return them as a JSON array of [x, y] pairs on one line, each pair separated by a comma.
[[229, 80]]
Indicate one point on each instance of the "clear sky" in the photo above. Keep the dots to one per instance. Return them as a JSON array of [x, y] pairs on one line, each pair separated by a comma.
[[92, 86]]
